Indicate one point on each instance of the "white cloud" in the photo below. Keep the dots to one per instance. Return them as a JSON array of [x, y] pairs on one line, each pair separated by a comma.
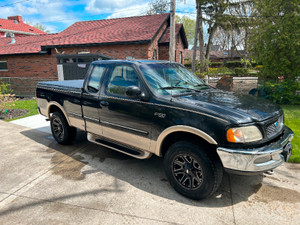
[[108, 6], [41, 11], [136, 10]]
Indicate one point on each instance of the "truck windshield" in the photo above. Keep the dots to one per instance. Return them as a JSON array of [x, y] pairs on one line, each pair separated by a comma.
[[171, 79]]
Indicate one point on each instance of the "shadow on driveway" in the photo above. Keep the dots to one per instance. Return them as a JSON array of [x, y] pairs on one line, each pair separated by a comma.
[[146, 175]]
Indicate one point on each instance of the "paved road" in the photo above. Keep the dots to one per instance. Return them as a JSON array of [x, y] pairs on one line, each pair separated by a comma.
[[42, 182]]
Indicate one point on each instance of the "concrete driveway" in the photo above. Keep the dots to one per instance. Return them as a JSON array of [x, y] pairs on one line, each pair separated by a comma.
[[42, 182]]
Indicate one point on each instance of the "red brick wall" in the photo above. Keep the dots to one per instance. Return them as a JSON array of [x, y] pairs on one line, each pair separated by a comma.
[[138, 51], [164, 50], [25, 71], [179, 48], [154, 45]]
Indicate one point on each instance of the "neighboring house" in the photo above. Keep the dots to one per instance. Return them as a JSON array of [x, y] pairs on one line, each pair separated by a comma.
[[34, 58], [14, 26], [216, 54]]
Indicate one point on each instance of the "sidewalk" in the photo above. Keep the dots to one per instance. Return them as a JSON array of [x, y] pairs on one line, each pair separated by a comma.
[[37, 122]]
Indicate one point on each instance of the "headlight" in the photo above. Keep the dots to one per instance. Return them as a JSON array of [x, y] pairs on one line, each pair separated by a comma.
[[243, 134]]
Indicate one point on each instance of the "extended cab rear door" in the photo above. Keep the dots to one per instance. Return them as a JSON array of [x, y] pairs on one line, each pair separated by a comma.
[[90, 99]]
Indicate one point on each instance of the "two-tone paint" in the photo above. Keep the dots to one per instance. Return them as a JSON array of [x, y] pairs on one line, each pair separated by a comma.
[[144, 124]]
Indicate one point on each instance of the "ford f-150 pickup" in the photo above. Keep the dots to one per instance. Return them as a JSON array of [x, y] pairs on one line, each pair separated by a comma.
[[148, 107]]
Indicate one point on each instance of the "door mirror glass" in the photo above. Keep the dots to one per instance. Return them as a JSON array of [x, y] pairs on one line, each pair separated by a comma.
[[133, 91]]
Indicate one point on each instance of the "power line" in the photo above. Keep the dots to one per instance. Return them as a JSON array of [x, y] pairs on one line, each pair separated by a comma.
[[14, 3]]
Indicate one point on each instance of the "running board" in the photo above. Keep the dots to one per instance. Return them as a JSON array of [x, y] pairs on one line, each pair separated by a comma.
[[136, 153]]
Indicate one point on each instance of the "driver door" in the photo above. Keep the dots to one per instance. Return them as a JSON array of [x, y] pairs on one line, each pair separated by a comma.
[[124, 120]]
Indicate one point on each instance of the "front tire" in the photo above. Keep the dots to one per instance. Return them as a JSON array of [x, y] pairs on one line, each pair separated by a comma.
[[191, 171], [61, 131]]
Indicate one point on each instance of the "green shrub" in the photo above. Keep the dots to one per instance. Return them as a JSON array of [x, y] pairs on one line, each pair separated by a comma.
[[5, 88], [188, 65], [6, 95], [241, 71], [212, 71], [199, 74], [224, 70], [215, 64], [233, 64], [283, 92], [258, 67]]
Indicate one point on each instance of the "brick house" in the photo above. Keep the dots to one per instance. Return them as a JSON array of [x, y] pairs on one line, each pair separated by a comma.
[[34, 58], [14, 26]]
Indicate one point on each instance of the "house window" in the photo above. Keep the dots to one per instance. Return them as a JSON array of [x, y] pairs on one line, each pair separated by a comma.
[[180, 57], [3, 66]]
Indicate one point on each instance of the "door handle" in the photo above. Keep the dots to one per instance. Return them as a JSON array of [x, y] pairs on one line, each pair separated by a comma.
[[104, 103]]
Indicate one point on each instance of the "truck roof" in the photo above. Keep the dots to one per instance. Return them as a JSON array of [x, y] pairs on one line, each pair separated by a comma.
[[131, 61]]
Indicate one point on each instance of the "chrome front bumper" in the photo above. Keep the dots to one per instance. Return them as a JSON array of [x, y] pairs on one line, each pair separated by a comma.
[[258, 159]]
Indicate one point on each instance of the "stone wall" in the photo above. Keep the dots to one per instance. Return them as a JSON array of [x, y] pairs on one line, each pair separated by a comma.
[[239, 84]]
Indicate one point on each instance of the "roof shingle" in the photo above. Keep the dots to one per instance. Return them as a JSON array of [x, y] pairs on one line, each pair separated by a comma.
[[130, 29], [21, 27]]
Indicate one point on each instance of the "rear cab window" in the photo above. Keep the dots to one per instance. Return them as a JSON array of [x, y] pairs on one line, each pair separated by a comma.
[[93, 83]]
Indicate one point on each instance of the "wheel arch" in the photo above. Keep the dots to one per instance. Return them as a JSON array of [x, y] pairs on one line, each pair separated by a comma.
[[181, 132], [53, 107]]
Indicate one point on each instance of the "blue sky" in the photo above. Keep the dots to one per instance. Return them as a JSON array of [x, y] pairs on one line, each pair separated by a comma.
[[56, 15]]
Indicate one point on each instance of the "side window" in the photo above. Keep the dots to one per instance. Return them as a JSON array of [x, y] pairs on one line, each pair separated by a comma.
[[121, 77], [93, 83], [3, 65]]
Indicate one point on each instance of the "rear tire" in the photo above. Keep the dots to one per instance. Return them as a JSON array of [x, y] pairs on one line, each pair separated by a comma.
[[192, 171], [61, 131]]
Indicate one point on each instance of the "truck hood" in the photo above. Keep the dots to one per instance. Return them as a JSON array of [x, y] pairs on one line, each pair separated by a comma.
[[241, 108]]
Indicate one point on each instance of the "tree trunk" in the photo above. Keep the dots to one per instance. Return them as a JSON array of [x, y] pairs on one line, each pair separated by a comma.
[[211, 35], [201, 41]]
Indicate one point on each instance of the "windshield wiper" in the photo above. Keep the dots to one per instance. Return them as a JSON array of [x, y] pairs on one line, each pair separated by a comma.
[[204, 86], [177, 87]]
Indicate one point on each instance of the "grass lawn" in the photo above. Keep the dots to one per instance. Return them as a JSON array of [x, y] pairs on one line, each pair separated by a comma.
[[292, 120], [29, 105]]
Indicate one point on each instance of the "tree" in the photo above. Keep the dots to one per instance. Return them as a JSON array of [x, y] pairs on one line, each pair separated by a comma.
[[38, 26], [275, 38], [158, 6], [218, 14], [189, 26]]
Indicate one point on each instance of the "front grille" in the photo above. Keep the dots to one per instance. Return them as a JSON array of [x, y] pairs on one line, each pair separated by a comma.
[[275, 127]]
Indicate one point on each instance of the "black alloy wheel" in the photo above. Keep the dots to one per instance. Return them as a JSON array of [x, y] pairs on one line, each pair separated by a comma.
[[192, 169], [187, 171], [58, 129], [61, 131]]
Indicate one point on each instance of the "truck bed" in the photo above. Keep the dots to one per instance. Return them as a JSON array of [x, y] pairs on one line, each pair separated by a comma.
[[71, 85]]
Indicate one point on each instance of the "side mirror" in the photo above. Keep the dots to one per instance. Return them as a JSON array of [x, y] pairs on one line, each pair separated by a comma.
[[136, 93], [133, 92]]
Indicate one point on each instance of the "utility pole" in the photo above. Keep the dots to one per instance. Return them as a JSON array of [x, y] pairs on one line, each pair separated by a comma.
[[196, 37], [172, 31]]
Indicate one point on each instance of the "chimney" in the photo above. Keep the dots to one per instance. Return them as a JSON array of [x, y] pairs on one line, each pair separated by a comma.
[[16, 19]]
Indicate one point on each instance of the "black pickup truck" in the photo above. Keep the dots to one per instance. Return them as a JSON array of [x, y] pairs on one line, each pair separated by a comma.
[[148, 107]]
